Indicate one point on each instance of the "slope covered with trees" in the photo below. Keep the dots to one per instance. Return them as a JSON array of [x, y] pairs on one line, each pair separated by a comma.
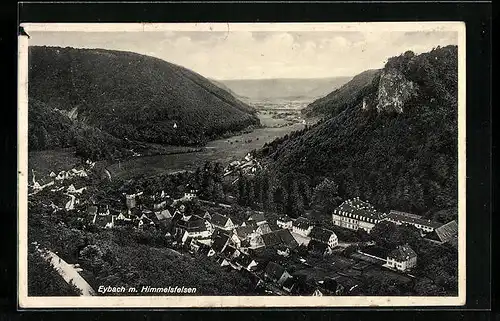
[[127, 96], [402, 158]]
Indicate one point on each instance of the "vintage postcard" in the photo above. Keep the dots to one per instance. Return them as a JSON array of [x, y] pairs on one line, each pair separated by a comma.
[[242, 165]]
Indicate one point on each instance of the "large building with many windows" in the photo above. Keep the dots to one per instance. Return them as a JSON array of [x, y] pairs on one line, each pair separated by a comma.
[[356, 214]]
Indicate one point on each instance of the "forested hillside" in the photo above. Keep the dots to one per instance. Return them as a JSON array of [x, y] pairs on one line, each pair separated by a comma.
[[392, 140], [349, 94], [122, 95]]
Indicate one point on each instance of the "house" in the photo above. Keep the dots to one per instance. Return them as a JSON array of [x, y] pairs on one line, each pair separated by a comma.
[[252, 224], [400, 218], [263, 229], [190, 195], [319, 248], [72, 189], [244, 232], [276, 273], [302, 226], [195, 226], [283, 251], [325, 236], [447, 233], [163, 215], [220, 243], [356, 214], [287, 239], [123, 219], [92, 210], [403, 258], [284, 222], [130, 201], [222, 222], [159, 206], [271, 239], [61, 176], [52, 174], [104, 221], [70, 205], [280, 238], [207, 216], [288, 285], [103, 210], [258, 218], [245, 262], [230, 252]]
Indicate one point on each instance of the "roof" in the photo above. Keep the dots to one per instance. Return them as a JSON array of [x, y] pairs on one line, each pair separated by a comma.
[[274, 270], [356, 206], [92, 210], [302, 223], [264, 228], [316, 246], [258, 217], [195, 224], [271, 239], [103, 220], [320, 234], [447, 231], [279, 237], [402, 253], [162, 215], [284, 218], [289, 283], [411, 219], [229, 251], [218, 219], [244, 231], [287, 238], [251, 223], [220, 243], [348, 283], [243, 260]]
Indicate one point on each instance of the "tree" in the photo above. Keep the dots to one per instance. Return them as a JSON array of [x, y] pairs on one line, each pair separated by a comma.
[[294, 204], [325, 198], [382, 233], [218, 194]]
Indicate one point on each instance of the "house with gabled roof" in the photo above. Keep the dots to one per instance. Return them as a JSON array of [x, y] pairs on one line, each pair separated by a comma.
[[92, 210], [245, 262], [445, 233], [104, 221], [258, 218], [285, 222], [403, 258], [325, 236], [220, 243], [263, 229], [302, 226], [230, 252], [276, 273], [319, 248], [222, 222]]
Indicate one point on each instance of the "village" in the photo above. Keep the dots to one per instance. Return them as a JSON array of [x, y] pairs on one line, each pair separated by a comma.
[[283, 255]]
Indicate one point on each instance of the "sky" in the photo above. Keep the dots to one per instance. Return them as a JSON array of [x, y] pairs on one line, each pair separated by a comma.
[[259, 54]]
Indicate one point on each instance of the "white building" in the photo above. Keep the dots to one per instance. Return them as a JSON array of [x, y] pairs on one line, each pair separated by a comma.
[[355, 214], [403, 258]]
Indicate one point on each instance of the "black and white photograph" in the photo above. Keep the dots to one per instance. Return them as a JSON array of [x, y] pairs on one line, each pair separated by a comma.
[[242, 164]]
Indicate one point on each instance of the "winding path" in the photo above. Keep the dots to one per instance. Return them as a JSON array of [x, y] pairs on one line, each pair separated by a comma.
[[68, 272]]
